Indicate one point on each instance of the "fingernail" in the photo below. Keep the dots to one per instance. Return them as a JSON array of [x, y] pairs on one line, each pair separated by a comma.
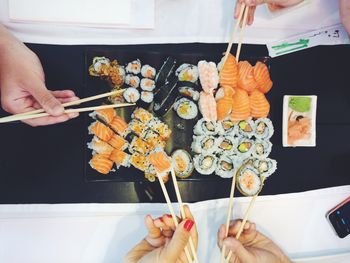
[[161, 219], [167, 215], [188, 225]]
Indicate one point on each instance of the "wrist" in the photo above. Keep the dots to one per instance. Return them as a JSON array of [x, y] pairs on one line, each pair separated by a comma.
[[6, 38]]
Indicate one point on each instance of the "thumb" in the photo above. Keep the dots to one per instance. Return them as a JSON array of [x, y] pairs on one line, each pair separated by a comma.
[[45, 98], [179, 241], [238, 249]]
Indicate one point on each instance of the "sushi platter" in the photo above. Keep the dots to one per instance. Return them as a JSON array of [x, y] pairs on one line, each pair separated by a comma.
[[182, 106]]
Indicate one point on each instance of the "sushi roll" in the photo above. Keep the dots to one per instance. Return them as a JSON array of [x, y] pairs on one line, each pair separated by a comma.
[[118, 142], [132, 81], [133, 67], [189, 92], [160, 127], [186, 109], [116, 98], [120, 158], [160, 163], [204, 144], [205, 163], [187, 72], [116, 74], [261, 149], [119, 126], [150, 177], [99, 146], [99, 66], [137, 127], [265, 167], [105, 115], [248, 180], [263, 128], [131, 95], [228, 128], [206, 127], [226, 145], [182, 163], [148, 72], [139, 161], [244, 148], [147, 84], [146, 99], [165, 71], [101, 131], [142, 115], [246, 128], [149, 134], [101, 163], [156, 143], [138, 145], [226, 168]]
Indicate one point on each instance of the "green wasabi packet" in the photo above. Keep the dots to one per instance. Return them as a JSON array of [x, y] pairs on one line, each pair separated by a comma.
[[300, 104]]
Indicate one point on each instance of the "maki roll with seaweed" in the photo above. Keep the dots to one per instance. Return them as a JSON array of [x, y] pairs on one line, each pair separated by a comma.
[[146, 99], [133, 67], [165, 71], [147, 84], [99, 66], [189, 92], [205, 163], [186, 109], [132, 81], [228, 128], [182, 163], [226, 167], [226, 145], [248, 180], [138, 145], [131, 95], [244, 148], [266, 167], [148, 72], [261, 148], [263, 128], [187, 72], [204, 144], [142, 115], [137, 127], [139, 161], [160, 127], [246, 128], [206, 127]]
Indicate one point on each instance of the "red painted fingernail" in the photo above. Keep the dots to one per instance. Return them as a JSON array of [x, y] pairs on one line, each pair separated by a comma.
[[167, 215], [188, 225], [161, 219]]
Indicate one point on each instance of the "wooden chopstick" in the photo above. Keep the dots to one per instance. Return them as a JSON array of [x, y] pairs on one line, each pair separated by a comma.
[[244, 23], [44, 114], [71, 103], [172, 212], [182, 211]]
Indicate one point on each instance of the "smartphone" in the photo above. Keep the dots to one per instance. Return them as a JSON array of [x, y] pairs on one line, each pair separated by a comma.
[[339, 217]]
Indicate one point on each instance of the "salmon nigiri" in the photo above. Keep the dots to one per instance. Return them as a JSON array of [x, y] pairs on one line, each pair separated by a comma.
[[101, 131], [240, 106], [160, 161], [118, 125], [118, 142], [101, 163], [246, 79], [229, 72], [207, 106], [259, 105], [262, 77]]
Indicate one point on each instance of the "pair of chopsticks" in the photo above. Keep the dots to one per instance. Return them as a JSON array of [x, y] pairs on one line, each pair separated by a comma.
[[41, 112], [242, 20], [182, 212]]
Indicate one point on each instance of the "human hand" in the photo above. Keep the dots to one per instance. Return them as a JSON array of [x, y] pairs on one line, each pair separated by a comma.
[[164, 242], [22, 84], [273, 5], [252, 246], [344, 9]]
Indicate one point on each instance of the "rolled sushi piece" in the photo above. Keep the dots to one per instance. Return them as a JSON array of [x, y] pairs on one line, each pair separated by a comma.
[[248, 180], [105, 115], [116, 74], [99, 66], [206, 127], [160, 127], [133, 67], [146, 99], [186, 109], [165, 98], [118, 142], [204, 144], [205, 163], [101, 163], [120, 158], [227, 127], [263, 128], [139, 161], [165, 71], [101, 131], [156, 143], [148, 84], [131, 95], [149, 134], [246, 128], [226, 167], [119, 126], [244, 148], [148, 72], [261, 148], [142, 115], [132, 81], [137, 127], [226, 145], [99, 146], [189, 92], [187, 72], [160, 162], [138, 145], [265, 167], [182, 163]]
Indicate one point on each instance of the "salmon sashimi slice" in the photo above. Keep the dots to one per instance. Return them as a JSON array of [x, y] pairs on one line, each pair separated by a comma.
[[101, 163], [119, 157], [100, 146], [106, 115], [118, 142], [240, 106], [207, 106], [229, 72], [246, 79], [259, 105], [101, 131], [160, 161], [262, 77], [118, 125]]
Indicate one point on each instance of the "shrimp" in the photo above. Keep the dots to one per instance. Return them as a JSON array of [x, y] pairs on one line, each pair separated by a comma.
[[207, 106]]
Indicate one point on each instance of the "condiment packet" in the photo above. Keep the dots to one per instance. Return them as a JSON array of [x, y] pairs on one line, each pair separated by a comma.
[[299, 121]]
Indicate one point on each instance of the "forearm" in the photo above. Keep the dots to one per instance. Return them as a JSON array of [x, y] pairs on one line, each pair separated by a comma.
[[344, 9]]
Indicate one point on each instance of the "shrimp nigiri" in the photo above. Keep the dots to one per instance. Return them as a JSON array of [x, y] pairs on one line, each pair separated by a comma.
[[208, 76], [207, 106], [229, 72], [101, 163], [101, 131]]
